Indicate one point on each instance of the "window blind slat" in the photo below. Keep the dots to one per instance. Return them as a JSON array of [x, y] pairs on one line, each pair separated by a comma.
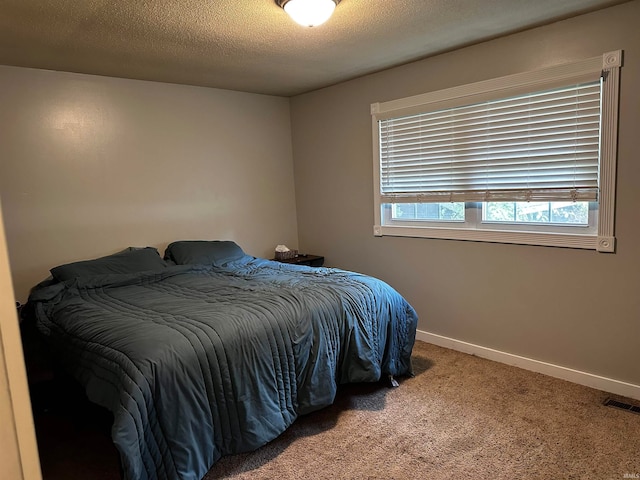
[[580, 131], [480, 114], [491, 149], [457, 126], [584, 93]]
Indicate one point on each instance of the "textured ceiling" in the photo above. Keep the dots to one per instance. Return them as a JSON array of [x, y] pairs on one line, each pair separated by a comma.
[[252, 45]]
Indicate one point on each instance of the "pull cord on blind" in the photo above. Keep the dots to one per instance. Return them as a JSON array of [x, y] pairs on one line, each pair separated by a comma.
[[541, 146]]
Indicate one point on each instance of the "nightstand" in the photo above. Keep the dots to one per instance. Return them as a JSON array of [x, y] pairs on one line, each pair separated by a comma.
[[309, 260]]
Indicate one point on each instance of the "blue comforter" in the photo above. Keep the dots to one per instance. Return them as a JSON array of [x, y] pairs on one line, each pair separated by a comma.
[[198, 362]]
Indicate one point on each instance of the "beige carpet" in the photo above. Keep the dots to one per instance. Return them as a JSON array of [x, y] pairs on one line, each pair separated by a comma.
[[460, 417]]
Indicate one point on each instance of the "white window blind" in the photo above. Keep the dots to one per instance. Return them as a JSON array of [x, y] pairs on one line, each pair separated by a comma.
[[541, 146]]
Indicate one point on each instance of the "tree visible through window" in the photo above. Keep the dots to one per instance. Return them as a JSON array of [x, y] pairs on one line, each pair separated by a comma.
[[453, 211], [562, 213]]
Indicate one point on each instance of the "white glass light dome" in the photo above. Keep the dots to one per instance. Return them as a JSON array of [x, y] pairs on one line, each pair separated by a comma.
[[310, 13]]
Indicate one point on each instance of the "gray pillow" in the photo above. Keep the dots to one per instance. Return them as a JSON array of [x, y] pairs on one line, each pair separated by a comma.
[[131, 260], [203, 252]]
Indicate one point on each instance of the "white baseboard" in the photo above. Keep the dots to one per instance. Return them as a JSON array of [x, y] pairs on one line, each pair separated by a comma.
[[582, 378]]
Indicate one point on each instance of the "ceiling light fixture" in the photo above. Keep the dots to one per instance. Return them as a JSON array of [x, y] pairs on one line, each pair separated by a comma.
[[309, 13]]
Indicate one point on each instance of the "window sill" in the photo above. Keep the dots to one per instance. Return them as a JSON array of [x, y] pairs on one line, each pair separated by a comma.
[[587, 242]]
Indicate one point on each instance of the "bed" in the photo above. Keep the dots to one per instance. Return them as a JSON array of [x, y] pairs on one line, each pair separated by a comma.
[[209, 351]]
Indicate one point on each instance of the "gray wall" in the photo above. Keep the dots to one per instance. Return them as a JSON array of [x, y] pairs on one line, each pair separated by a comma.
[[90, 165], [574, 308]]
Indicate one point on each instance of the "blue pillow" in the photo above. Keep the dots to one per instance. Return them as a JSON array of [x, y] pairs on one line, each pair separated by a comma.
[[131, 260], [203, 252]]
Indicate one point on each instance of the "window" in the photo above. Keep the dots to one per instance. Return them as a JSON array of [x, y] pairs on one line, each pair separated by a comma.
[[529, 158]]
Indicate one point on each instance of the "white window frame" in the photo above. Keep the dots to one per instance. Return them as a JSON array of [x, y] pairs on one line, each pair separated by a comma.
[[604, 241]]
